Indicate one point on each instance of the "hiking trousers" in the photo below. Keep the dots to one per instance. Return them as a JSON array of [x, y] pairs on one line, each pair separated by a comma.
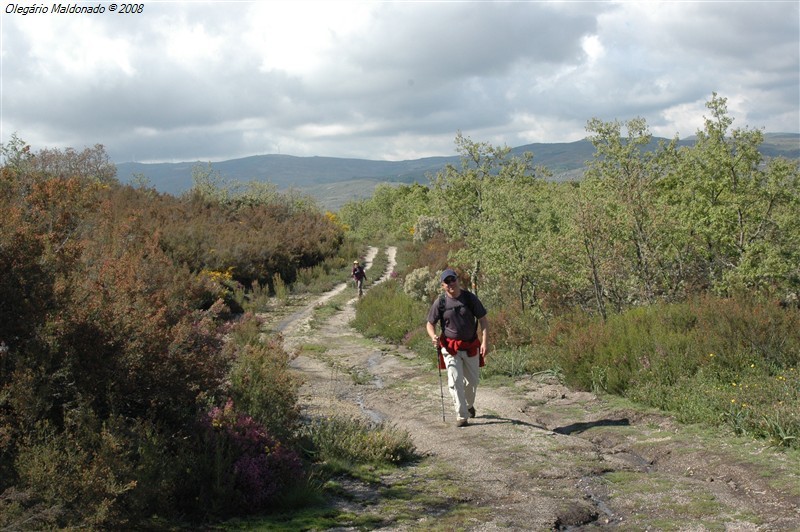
[[463, 373]]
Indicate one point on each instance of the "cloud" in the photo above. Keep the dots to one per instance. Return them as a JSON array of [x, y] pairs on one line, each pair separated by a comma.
[[388, 80]]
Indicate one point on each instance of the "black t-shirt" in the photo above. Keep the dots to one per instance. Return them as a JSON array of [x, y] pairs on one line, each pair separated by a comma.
[[459, 321]]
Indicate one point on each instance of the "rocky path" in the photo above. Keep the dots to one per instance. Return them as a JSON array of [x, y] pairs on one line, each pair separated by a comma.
[[538, 456]]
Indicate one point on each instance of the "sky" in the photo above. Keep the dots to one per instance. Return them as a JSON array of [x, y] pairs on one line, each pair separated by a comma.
[[385, 80]]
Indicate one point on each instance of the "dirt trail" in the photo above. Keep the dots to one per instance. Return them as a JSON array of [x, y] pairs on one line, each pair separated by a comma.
[[538, 456]]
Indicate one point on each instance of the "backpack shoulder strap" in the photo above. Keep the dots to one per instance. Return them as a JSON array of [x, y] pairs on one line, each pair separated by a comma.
[[471, 305], [441, 311]]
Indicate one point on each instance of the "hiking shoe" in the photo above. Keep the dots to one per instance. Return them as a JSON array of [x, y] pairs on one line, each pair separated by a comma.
[[471, 411], [461, 423]]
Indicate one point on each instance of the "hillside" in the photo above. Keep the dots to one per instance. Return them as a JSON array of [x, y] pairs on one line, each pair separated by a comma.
[[334, 181]]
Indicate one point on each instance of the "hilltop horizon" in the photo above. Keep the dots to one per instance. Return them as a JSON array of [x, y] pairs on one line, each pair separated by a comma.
[[332, 181]]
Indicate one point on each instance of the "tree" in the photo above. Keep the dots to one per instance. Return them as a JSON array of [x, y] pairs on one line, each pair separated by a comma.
[[460, 195], [16, 153], [515, 221], [638, 236], [92, 164], [736, 207], [392, 211]]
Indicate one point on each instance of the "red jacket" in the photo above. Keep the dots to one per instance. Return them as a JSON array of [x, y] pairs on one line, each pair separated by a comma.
[[472, 347]]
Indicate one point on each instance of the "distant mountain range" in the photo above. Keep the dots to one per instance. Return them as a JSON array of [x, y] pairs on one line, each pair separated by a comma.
[[334, 181]]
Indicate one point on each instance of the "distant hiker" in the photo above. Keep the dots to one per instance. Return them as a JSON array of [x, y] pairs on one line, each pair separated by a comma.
[[359, 275], [461, 351]]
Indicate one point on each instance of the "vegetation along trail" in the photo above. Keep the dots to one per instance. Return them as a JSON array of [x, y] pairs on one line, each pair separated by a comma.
[[538, 456]]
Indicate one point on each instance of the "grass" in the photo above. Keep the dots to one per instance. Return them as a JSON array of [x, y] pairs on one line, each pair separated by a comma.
[[340, 440], [431, 498], [379, 264], [685, 499], [313, 349], [387, 312], [326, 311]]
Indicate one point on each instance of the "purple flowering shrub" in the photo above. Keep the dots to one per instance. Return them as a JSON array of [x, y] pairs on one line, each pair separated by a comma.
[[254, 465]]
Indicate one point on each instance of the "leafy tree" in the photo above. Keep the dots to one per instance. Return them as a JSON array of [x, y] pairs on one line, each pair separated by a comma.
[[16, 153], [391, 212], [590, 232], [737, 208], [91, 164], [460, 195], [634, 230], [512, 237]]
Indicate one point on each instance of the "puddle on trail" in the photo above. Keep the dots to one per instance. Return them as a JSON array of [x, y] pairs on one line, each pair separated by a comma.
[[373, 361], [375, 417]]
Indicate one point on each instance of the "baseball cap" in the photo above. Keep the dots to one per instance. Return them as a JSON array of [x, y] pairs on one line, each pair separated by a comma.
[[448, 273]]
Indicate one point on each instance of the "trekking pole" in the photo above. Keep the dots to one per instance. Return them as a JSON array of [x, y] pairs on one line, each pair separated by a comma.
[[441, 389]]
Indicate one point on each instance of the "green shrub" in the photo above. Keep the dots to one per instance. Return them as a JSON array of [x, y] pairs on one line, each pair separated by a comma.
[[426, 228], [516, 361], [387, 312], [257, 299], [421, 285], [352, 441], [708, 360], [280, 288]]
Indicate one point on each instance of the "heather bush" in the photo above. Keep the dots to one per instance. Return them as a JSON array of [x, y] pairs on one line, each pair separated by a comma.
[[245, 468], [245, 330], [433, 255], [262, 384], [113, 319], [92, 469], [512, 328]]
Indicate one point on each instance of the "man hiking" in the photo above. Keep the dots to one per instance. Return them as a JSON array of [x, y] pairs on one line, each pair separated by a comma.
[[461, 351], [359, 276]]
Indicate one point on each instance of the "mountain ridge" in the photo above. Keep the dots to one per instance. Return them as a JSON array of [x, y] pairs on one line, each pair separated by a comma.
[[334, 180]]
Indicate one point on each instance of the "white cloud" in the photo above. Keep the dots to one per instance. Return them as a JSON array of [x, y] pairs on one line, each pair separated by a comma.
[[389, 80], [298, 37]]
